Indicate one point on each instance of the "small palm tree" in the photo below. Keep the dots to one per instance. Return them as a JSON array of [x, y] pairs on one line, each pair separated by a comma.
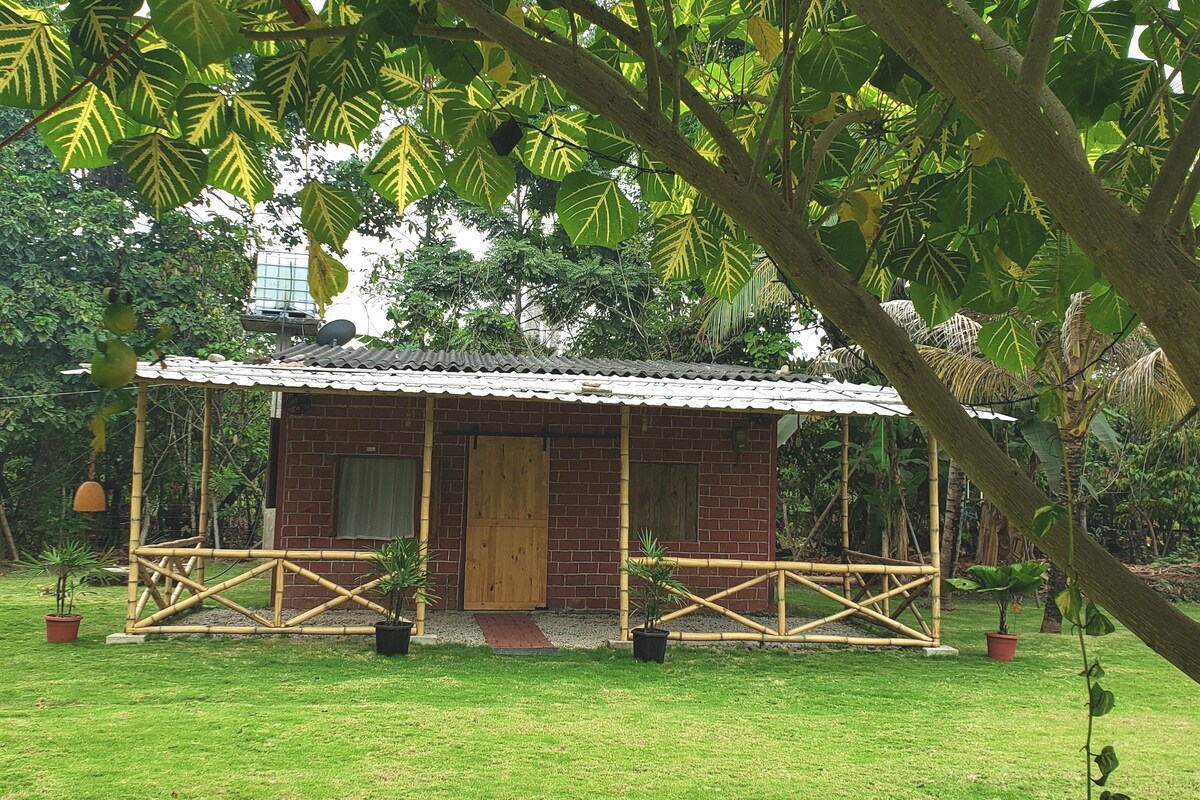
[[658, 585], [71, 564], [403, 569]]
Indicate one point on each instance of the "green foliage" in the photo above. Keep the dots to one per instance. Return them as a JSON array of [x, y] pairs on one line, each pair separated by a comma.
[[1005, 584], [657, 585], [403, 571], [71, 564]]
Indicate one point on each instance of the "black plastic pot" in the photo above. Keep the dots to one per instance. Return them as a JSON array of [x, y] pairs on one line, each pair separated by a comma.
[[650, 645], [392, 639]]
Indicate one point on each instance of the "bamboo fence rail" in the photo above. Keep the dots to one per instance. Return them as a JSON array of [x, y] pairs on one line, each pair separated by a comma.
[[171, 563], [894, 578]]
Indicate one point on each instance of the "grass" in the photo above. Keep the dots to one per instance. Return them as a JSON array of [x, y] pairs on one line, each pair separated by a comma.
[[285, 718]]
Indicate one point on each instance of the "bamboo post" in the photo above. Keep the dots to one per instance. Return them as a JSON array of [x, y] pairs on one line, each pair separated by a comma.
[[624, 524], [781, 601], [935, 543], [205, 473], [845, 494], [426, 492], [135, 506], [278, 599]]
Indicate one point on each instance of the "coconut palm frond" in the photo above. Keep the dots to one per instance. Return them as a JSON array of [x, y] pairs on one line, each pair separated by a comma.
[[904, 314], [959, 334], [843, 363], [1150, 387], [724, 319], [974, 379]]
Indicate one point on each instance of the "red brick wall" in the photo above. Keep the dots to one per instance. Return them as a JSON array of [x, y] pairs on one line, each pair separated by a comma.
[[736, 513]]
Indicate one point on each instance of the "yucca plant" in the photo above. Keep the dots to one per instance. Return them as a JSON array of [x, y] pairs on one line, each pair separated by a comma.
[[657, 585]]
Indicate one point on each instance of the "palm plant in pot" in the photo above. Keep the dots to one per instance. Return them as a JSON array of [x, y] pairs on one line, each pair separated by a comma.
[[1006, 584], [657, 586], [71, 564], [402, 570]]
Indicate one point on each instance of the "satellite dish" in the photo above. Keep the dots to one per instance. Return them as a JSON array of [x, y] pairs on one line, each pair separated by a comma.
[[338, 332]]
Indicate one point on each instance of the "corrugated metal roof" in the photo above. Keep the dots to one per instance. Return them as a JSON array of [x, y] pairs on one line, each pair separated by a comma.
[[315, 355], [768, 396]]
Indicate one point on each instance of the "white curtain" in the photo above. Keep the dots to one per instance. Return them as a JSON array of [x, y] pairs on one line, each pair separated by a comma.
[[375, 498]]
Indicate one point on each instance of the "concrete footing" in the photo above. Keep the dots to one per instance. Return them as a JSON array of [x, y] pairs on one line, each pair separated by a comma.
[[125, 638], [428, 638], [942, 651], [617, 644]]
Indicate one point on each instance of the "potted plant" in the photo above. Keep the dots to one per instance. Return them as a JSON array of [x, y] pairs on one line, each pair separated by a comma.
[[71, 564], [657, 587], [402, 569], [1006, 584]]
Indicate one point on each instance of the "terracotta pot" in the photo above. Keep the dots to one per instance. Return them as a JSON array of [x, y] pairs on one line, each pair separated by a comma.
[[62, 629], [1001, 646]]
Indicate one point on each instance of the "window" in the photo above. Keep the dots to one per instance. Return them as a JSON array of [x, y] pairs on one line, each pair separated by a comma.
[[665, 498], [376, 497]]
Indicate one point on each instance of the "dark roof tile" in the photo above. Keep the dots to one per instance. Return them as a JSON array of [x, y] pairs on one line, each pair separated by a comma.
[[334, 356]]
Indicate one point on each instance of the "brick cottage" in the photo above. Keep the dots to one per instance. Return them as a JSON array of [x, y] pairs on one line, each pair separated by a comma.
[[527, 480]]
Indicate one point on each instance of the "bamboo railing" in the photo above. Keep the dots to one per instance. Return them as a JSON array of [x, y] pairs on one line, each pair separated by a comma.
[[880, 580], [169, 569]]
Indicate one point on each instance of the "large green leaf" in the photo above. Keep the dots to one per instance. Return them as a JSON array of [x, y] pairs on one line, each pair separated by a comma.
[[80, 131], [838, 59], [235, 165], [150, 97], [166, 172], [1009, 343], [975, 195], [555, 149], [252, 114], [329, 213], [684, 247], [99, 32], [933, 267], [205, 30], [931, 306], [202, 115], [458, 123], [480, 176], [350, 69], [730, 268], [327, 277], [1049, 285], [1107, 28], [35, 65], [594, 210], [1021, 236], [402, 77], [349, 123], [283, 79], [1088, 82], [1110, 314], [407, 167]]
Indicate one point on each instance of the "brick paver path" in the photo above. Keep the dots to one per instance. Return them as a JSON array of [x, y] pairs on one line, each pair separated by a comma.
[[514, 634]]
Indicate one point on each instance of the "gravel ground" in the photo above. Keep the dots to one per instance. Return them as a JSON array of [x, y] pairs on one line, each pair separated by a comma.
[[564, 629]]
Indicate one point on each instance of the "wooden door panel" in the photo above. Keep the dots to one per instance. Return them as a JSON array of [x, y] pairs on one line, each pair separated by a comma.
[[508, 490]]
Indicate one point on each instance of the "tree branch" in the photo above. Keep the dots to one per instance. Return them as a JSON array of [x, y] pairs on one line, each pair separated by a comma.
[[812, 167], [1174, 171], [646, 29], [782, 91], [712, 121], [338, 31], [1032, 74], [1000, 48], [1181, 215], [77, 88]]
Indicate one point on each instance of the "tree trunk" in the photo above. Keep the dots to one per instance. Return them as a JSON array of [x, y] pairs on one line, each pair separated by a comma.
[[898, 513], [808, 268], [991, 523], [950, 519]]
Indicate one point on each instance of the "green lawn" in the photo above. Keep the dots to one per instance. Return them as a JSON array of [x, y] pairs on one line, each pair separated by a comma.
[[281, 718]]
